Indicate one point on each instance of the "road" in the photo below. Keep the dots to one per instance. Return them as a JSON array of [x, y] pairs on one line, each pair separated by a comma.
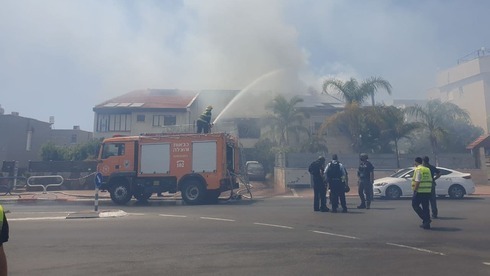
[[268, 236]]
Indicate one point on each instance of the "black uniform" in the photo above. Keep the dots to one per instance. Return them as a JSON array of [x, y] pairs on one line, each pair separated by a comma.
[[433, 203], [365, 185], [319, 186], [334, 173]]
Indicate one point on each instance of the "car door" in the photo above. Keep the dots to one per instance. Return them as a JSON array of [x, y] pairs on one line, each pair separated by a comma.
[[443, 183], [407, 183]]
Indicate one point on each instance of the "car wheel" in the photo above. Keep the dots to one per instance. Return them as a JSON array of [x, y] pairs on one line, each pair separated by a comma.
[[456, 191], [120, 193], [393, 192], [193, 192]]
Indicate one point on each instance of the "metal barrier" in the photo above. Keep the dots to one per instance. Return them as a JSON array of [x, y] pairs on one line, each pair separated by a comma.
[[45, 186]]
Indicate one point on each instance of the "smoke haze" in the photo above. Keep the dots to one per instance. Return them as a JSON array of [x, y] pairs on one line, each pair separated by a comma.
[[61, 58]]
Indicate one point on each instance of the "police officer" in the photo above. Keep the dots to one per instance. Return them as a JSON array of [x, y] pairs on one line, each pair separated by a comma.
[[204, 121], [365, 173], [336, 179], [319, 186], [4, 237], [421, 186]]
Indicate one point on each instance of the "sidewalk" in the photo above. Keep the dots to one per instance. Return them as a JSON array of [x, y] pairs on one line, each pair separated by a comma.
[[259, 190]]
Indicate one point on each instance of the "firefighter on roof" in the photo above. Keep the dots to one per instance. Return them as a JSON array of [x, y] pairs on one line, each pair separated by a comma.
[[204, 121]]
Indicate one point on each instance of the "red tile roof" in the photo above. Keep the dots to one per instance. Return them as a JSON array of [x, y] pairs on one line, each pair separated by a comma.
[[479, 142], [152, 98]]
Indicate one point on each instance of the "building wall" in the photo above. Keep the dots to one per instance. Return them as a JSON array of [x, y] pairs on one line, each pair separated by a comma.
[[467, 85], [146, 126], [22, 138], [70, 137]]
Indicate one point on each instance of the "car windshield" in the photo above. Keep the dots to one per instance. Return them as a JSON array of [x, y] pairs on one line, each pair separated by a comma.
[[401, 172], [254, 166]]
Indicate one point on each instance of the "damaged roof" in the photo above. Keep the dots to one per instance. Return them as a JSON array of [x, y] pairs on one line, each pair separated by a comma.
[[151, 98]]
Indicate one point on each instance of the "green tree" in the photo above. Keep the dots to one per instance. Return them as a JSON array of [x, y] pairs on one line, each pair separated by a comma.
[[435, 117], [395, 126], [88, 150], [352, 91], [348, 122], [52, 152], [285, 121]]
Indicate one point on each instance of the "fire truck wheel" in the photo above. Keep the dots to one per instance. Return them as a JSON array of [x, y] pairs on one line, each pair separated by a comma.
[[193, 192], [142, 196], [120, 193], [212, 196]]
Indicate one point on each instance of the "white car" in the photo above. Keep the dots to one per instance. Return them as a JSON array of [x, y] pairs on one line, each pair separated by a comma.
[[453, 183]]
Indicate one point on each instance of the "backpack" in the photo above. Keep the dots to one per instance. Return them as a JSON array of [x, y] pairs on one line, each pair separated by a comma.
[[334, 171]]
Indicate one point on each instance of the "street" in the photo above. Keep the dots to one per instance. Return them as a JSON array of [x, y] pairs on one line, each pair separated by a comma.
[[265, 236]]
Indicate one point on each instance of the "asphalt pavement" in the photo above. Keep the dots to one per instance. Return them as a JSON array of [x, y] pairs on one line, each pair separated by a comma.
[[259, 190]]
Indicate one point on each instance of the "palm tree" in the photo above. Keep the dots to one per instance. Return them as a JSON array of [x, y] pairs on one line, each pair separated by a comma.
[[351, 91], [348, 122], [286, 119], [395, 126], [434, 117]]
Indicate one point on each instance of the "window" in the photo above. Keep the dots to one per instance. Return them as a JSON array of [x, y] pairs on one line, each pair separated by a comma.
[[164, 120], [140, 118], [113, 122], [73, 139], [157, 120], [169, 120], [112, 150]]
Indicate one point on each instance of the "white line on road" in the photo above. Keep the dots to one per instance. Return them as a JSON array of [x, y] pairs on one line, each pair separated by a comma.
[[39, 218], [486, 263], [174, 216], [416, 248], [273, 225], [338, 235], [220, 219]]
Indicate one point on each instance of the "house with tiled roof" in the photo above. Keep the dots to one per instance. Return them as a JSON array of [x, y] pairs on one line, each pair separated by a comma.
[[145, 111]]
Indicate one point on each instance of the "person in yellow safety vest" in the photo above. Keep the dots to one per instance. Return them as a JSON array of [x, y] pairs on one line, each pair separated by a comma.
[[204, 121], [4, 237], [422, 186]]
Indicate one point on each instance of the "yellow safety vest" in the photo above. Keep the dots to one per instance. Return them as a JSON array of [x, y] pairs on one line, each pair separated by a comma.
[[425, 185], [1, 218]]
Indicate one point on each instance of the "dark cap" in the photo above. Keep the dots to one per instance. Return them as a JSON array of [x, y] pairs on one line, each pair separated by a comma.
[[418, 160], [426, 159], [321, 159], [363, 156], [335, 157]]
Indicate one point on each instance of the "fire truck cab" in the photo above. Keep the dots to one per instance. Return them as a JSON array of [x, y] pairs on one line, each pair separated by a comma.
[[200, 166]]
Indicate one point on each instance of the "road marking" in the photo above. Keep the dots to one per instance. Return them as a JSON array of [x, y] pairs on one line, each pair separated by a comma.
[[416, 248], [338, 235], [273, 225], [174, 216], [220, 219], [486, 263], [39, 218]]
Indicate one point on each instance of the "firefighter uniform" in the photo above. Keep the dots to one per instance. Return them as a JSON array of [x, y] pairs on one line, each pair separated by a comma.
[[421, 194], [204, 121]]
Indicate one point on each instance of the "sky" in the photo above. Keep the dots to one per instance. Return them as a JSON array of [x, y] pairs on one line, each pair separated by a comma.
[[61, 58]]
